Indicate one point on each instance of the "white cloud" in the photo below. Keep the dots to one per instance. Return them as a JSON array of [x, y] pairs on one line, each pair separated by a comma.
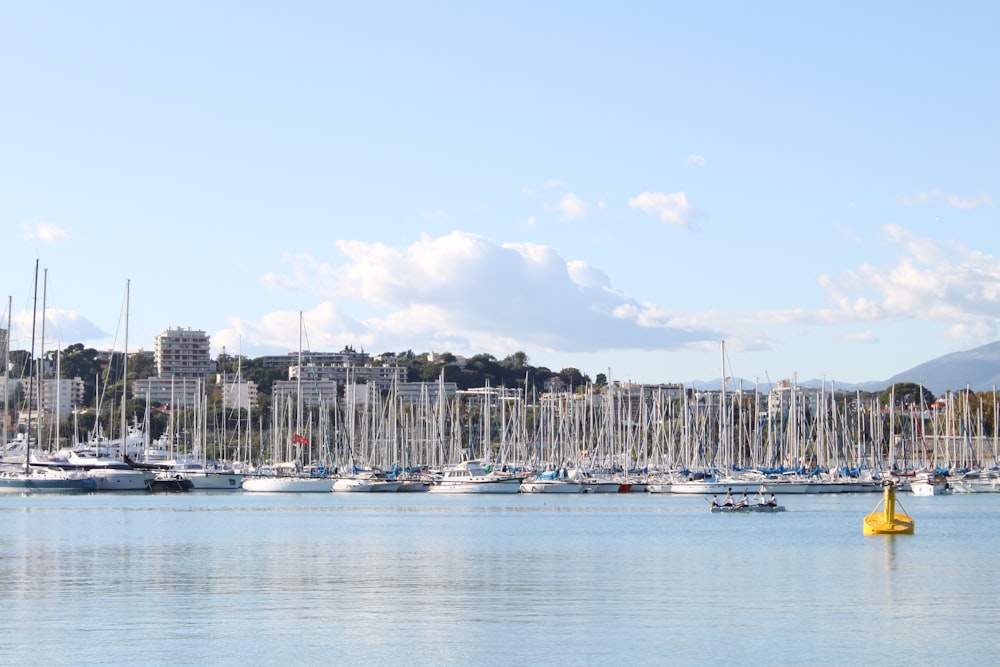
[[939, 198], [672, 208], [572, 207], [304, 269], [848, 234], [44, 232], [465, 293], [927, 281], [696, 160], [62, 327]]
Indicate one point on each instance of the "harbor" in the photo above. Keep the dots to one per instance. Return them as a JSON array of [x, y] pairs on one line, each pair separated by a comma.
[[233, 579]]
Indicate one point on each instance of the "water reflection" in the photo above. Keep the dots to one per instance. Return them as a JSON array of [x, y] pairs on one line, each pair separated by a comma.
[[237, 579]]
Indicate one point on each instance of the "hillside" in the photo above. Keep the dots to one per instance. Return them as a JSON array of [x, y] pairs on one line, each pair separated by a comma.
[[978, 369]]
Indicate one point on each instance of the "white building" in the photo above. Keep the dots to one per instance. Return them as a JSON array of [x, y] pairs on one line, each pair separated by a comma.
[[183, 353], [237, 395], [319, 384], [179, 392]]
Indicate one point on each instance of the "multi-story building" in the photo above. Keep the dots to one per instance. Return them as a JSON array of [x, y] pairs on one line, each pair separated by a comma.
[[237, 394], [183, 353], [346, 357], [179, 392], [319, 384]]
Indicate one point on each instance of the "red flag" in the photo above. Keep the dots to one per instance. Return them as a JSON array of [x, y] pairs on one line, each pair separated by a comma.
[[299, 440]]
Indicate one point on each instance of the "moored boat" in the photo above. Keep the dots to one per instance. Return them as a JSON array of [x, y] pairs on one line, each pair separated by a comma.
[[929, 484], [170, 482], [552, 481], [474, 477], [45, 481], [287, 484]]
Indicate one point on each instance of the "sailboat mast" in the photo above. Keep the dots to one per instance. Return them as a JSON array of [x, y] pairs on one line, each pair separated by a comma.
[[722, 411], [298, 391], [41, 356], [31, 373], [6, 376], [125, 376]]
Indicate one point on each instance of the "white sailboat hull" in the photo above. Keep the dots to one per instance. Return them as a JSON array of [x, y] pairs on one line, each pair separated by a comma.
[[121, 479], [512, 485], [352, 485], [287, 484], [551, 486]]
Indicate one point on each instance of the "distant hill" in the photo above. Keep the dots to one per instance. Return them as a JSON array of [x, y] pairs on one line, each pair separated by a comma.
[[978, 369]]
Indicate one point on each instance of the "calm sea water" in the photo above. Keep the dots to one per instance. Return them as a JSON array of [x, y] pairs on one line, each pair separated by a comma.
[[422, 579]]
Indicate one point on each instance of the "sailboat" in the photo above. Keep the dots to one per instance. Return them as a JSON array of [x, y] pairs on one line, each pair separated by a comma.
[[26, 478], [113, 472], [288, 477]]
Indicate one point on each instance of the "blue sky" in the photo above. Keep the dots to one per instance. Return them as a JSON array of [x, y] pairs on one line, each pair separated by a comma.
[[613, 187]]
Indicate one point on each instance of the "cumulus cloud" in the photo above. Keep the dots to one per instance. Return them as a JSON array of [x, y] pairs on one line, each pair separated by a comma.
[[939, 198], [927, 280], [44, 232], [62, 327], [572, 207], [672, 208], [696, 160], [466, 292]]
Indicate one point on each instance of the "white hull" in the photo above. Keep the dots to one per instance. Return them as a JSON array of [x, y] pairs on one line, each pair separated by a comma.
[[976, 486], [512, 485], [551, 486], [351, 485], [929, 484], [474, 477], [121, 479], [928, 489], [287, 484], [601, 487]]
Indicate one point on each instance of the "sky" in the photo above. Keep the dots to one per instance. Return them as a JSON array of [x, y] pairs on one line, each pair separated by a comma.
[[613, 187]]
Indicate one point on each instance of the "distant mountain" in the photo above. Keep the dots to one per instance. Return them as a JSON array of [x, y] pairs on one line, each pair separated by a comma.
[[978, 369]]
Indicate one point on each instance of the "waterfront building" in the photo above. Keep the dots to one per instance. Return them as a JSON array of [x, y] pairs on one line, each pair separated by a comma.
[[59, 397], [346, 357], [319, 384], [237, 394], [183, 353], [410, 393], [180, 392]]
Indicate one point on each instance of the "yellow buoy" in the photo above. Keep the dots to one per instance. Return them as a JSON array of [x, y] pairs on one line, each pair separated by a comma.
[[888, 521]]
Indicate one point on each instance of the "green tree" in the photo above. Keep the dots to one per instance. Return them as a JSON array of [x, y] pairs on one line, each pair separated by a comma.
[[907, 394], [573, 377], [141, 366], [20, 363], [517, 360]]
